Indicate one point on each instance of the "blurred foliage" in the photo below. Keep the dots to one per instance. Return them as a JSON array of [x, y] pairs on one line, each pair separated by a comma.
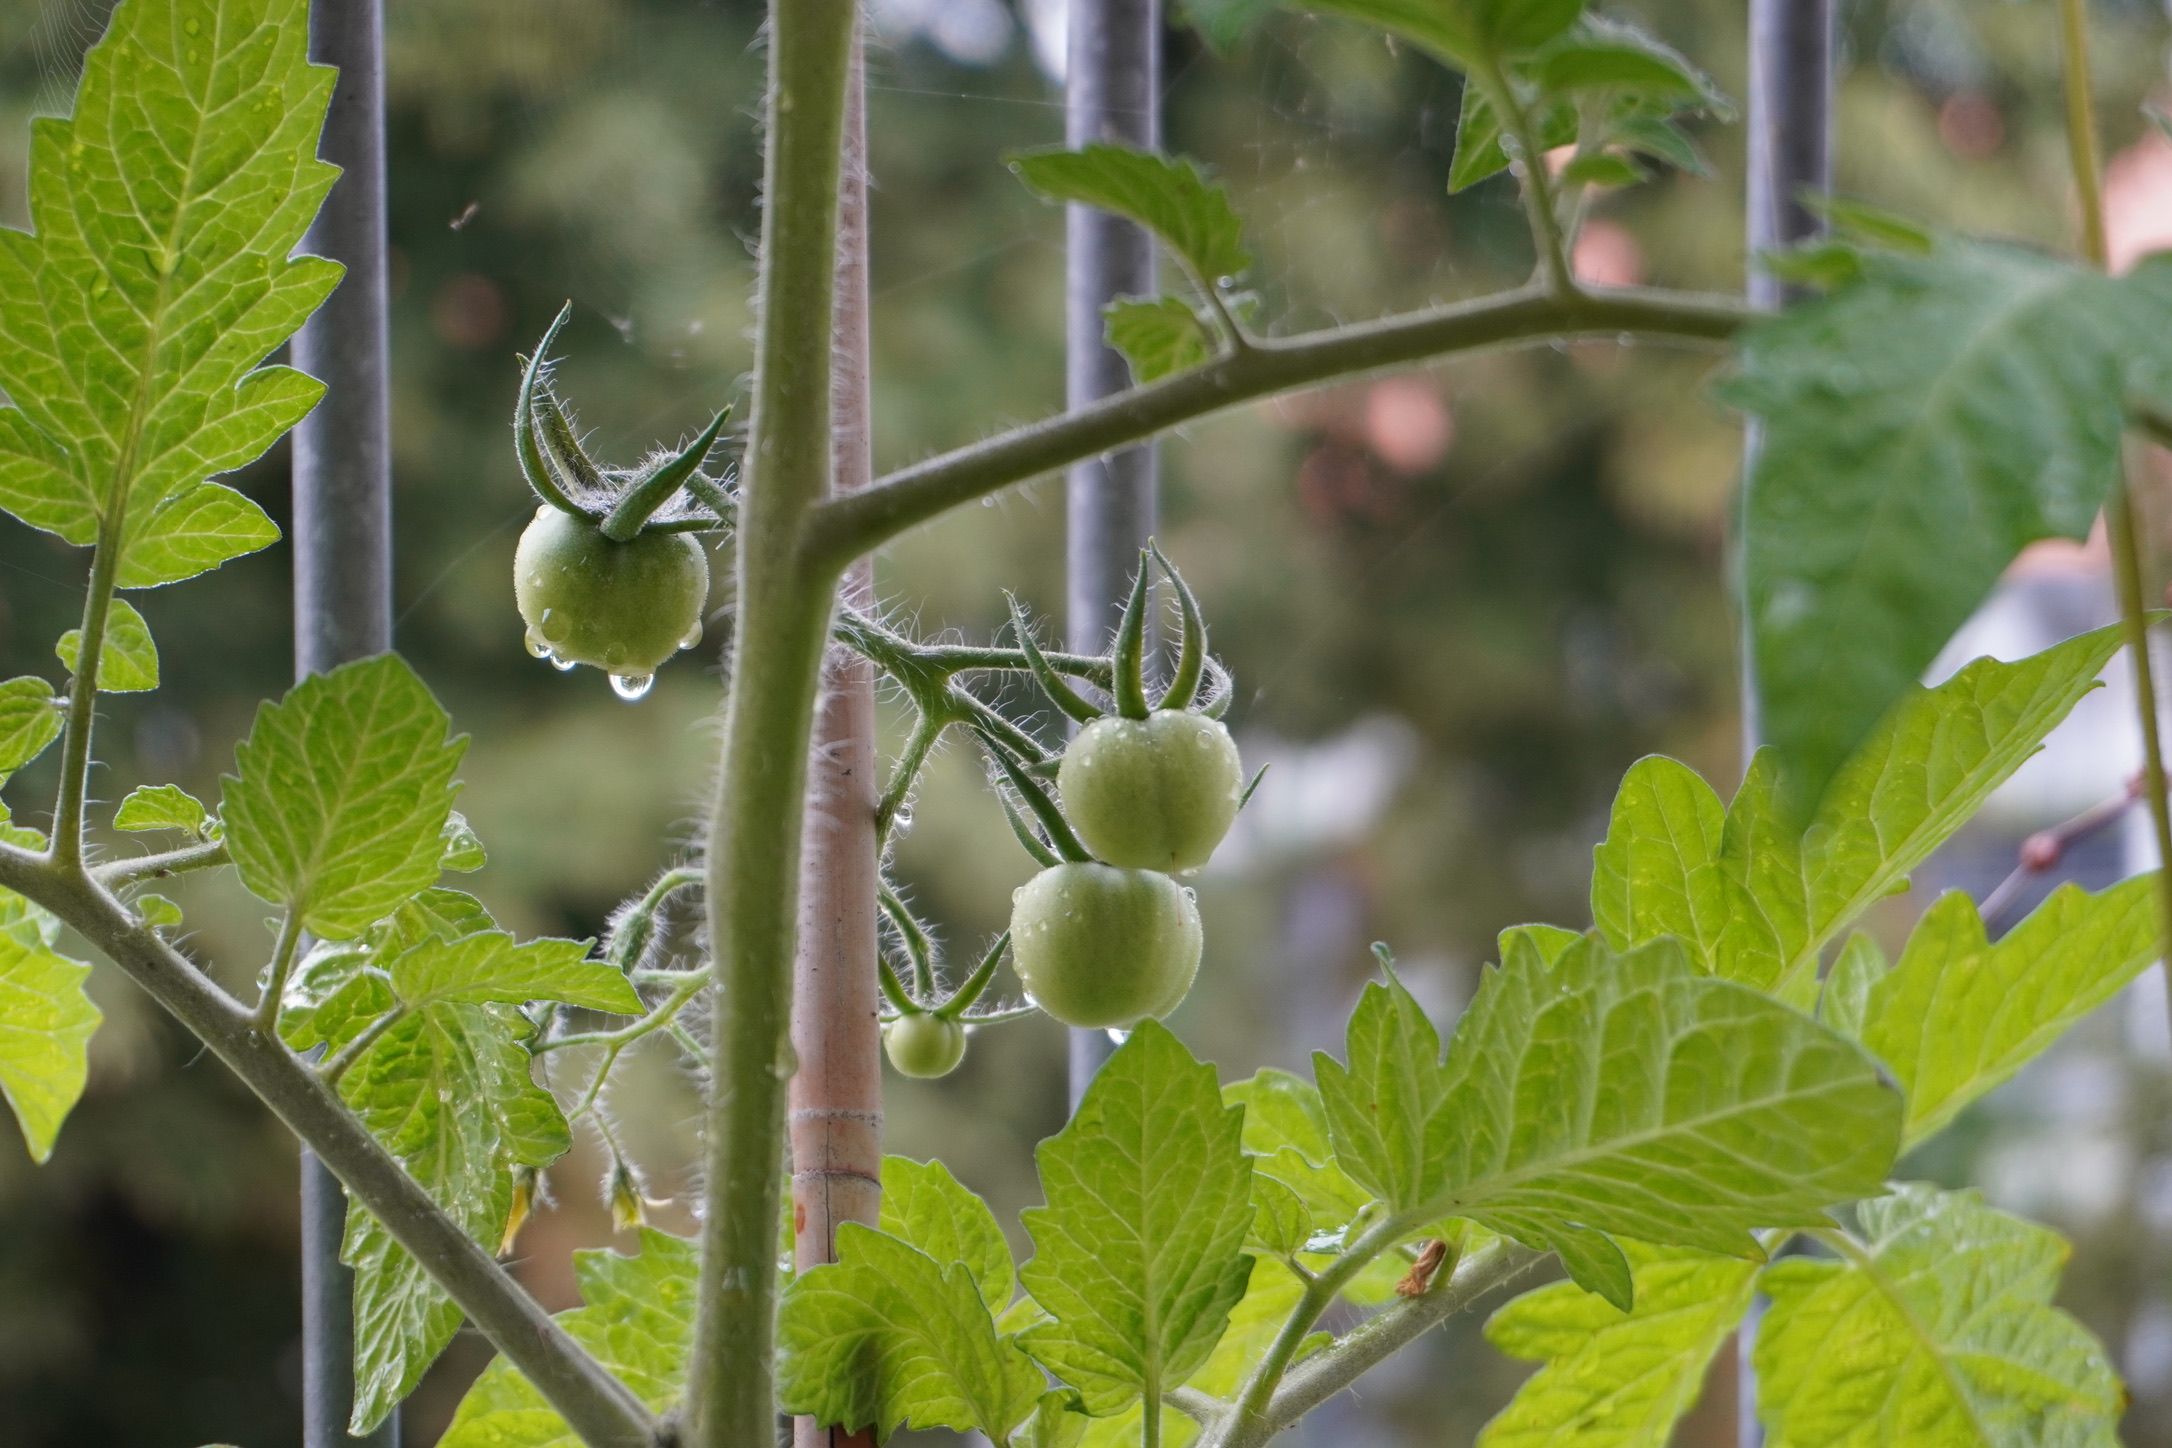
[[1458, 603]]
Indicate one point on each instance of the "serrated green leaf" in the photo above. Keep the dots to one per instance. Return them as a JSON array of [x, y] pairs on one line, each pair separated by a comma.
[[158, 275], [1612, 1379], [1944, 1308], [1760, 903], [1138, 1255], [1845, 999], [637, 1320], [1168, 196], [162, 807], [447, 1089], [1158, 337], [46, 1022], [887, 1336], [1613, 56], [925, 1207], [191, 534], [127, 660], [1874, 225], [493, 966], [1919, 428], [1662, 140], [1269, 1298], [157, 911], [344, 787], [464, 852], [1602, 168], [1545, 943], [29, 720], [1626, 1094], [1281, 1222], [1957, 1014]]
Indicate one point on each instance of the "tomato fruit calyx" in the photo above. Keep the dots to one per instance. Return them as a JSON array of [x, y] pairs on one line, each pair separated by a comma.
[[1097, 946], [924, 1045], [1157, 793]]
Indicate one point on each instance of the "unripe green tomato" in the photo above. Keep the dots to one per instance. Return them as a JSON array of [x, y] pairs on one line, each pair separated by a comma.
[[622, 607], [1100, 946], [925, 1046], [1152, 794]]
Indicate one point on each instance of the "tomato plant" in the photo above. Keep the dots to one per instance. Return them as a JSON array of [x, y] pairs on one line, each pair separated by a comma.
[[1693, 1102]]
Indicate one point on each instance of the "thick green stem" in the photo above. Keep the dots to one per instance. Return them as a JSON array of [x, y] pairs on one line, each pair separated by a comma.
[[754, 829], [848, 527], [599, 1407], [116, 873], [275, 976], [2123, 513]]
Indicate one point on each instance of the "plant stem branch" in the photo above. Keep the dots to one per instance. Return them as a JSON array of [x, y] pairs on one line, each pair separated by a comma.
[[75, 744], [754, 836], [1537, 189], [845, 528], [335, 1067], [284, 950], [2123, 513], [596, 1404], [116, 873]]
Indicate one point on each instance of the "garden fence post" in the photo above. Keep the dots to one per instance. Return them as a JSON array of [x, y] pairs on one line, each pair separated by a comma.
[[835, 1100], [342, 537], [1790, 155], [1112, 92]]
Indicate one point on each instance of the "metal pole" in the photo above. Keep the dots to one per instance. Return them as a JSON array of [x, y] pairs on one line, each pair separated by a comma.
[[1790, 154], [1112, 92], [342, 536]]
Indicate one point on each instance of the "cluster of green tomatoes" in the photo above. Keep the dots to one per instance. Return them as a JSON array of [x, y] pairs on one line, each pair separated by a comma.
[[611, 573], [1105, 936]]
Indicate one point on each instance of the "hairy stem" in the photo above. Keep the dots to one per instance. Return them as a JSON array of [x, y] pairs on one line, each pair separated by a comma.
[[597, 1405], [2122, 514], [848, 527], [75, 744], [1537, 181], [275, 975], [167, 863], [754, 831]]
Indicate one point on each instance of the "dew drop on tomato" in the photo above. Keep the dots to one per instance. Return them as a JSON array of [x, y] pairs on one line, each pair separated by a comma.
[[631, 686]]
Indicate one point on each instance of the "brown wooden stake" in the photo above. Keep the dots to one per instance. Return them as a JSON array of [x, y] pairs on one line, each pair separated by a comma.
[[836, 1096]]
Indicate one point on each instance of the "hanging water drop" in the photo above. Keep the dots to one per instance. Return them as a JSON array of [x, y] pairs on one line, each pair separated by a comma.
[[631, 686], [1118, 1035], [537, 647], [692, 636], [553, 625], [563, 666]]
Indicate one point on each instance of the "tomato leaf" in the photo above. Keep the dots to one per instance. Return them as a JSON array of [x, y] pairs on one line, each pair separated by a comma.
[[1138, 1256], [492, 966], [1614, 1379], [1158, 337], [1945, 1309], [46, 1022], [127, 660], [338, 811], [1919, 428], [637, 1320], [1625, 1094], [29, 720], [924, 1206], [156, 279], [1464, 33], [1958, 1014], [1168, 196], [163, 807]]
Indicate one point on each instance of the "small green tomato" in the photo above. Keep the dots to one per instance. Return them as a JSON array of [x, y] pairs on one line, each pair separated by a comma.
[[1097, 946], [1152, 794], [622, 607], [924, 1046]]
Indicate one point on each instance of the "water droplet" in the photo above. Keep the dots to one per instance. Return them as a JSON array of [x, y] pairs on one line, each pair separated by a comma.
[[692, 636], [1118, 1036], [631, 686], [538, 647], [563, 666], [553, 625]]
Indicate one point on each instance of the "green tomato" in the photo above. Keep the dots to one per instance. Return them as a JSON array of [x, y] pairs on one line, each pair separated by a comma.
[[622, 607], [1099, 946], [923, 1045], [1152, 794]]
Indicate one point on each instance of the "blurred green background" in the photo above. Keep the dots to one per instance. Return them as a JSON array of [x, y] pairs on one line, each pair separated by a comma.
[[1457, 603]]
